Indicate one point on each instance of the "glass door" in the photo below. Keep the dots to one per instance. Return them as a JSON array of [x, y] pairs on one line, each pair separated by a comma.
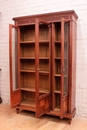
[[13, 50], [43, 64], [64, 67]]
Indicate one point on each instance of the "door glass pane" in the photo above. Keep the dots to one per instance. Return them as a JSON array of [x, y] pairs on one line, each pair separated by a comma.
[[66, 43], [14, 59]]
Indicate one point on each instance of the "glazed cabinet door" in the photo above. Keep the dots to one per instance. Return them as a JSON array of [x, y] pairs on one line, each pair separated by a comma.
[[43, 66], [13, 50], [64, 66], [60, 42]]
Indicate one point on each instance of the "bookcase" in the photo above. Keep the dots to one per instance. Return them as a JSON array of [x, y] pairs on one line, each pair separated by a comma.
[[42, 51]]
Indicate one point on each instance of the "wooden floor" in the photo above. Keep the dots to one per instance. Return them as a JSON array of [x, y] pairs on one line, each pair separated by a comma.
[[25, 120]]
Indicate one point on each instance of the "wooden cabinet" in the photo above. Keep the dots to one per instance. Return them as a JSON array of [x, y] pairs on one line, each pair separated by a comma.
[[43, 63]]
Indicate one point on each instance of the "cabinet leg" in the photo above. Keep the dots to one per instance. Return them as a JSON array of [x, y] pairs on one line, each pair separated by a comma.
[[74, 114], [17, 110], [69, 121]]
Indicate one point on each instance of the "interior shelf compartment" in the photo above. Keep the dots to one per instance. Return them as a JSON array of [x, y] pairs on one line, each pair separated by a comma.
[[57, 69], [43, 32], [27, 33], [43, 65], [27, 50], [58, 31], [57, 102], [57, 50], [28, 98], [27, 81], [57, 84], [44, 83], [44, 50], [27, 64]]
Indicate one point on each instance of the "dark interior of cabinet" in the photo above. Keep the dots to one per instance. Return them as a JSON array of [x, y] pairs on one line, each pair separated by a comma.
[[43, 32], [44, 82], [58, 31], [27, 50], [27, 33], [28, 98], [27, 80]]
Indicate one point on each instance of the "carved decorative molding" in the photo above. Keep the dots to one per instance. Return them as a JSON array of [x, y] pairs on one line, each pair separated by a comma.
[[48, 18]]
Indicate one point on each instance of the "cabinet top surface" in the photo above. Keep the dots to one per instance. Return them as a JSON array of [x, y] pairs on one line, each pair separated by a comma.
[[54, 16]]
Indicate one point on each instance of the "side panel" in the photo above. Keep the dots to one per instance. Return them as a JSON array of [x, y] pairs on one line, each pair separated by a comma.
[[13, 54]]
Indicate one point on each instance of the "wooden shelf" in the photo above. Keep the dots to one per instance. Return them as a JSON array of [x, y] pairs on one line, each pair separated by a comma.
[[27, 58], [43, 90], [57, 91], [27, 102], [27, 42], [30, 42], [57, 58], [44, 72], [57, 75], [57, 42], [44, 58], [44, 41], [57, 109], [31, 71], [30, 89]]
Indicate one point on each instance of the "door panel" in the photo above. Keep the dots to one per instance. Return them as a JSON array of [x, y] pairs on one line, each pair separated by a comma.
[[64, 106], [43, 63], [64, 67], [15, 98], [43, 104], [13, 41]]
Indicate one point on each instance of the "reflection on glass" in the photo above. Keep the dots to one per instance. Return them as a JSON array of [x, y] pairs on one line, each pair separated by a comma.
[[14, 59], [66, 42]]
